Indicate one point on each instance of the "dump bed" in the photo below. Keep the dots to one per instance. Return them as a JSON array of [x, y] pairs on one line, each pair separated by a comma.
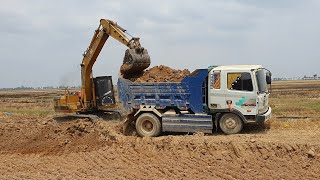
[[187, 94]]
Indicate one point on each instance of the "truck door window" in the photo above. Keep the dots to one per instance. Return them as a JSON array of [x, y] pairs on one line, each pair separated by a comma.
[[215, 80], [240, 81]]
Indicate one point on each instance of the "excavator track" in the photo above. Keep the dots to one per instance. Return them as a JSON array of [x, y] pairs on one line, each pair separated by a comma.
[[135, 61]]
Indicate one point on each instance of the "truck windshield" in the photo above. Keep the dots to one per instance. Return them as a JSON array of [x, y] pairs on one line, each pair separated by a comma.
[[261, 80]]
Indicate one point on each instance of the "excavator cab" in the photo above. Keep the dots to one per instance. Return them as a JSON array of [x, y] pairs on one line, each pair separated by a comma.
[[104, 91]]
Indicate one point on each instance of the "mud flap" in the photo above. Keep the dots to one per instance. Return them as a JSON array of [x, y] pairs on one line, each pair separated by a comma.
[[128, 126], [216, 120]]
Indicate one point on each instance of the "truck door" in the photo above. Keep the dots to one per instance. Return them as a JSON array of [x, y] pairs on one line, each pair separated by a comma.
[[263, 78], [216, 92], [240, 92]]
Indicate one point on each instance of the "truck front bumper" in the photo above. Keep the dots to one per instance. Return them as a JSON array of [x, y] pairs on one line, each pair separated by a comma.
[[264, 117]]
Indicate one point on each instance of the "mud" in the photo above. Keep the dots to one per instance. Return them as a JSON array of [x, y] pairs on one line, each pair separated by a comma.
[[159, 74]]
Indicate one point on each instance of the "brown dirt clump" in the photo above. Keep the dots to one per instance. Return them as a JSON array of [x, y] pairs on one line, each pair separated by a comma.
[[159, 74]]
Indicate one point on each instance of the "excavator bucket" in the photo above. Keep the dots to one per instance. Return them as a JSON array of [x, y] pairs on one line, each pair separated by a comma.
[[135, 61]]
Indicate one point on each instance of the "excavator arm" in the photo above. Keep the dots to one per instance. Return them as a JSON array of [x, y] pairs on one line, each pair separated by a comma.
[[136, 59]]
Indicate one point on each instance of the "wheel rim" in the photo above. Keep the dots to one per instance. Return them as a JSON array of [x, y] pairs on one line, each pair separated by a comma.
[[231, 123], [147, 126]]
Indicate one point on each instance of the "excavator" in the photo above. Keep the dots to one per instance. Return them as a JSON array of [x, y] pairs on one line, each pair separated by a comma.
[[97, 94]]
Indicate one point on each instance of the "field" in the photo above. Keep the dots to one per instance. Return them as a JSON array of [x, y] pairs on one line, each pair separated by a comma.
[[37, 143]]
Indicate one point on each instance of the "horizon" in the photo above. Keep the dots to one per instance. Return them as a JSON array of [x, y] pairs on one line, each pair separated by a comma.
[[308, 78]]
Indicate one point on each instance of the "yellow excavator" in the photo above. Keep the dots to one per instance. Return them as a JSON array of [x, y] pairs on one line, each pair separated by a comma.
[[97, 94]]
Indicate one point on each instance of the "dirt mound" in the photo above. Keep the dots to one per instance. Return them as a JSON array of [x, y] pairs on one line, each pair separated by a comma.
[[86, 149], [73, 148], [51, 135], [159, 74]]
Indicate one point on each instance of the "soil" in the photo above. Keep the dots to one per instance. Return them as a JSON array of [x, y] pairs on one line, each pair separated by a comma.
[[159, 74], [72, 148], [57, 146]]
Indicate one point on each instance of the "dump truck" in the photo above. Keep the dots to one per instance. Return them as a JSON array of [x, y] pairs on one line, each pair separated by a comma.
[[225, 97]]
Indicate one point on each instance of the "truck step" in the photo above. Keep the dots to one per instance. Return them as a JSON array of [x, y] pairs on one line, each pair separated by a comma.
[[187, 123]]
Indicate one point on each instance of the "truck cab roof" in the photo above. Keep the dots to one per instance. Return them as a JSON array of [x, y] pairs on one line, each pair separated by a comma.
[[237, 67]]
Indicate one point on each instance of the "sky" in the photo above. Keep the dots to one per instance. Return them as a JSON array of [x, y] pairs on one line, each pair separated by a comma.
[[42, 41]]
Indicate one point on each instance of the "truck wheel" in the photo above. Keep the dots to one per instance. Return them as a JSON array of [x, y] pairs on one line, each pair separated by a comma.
[[230, 123], [148, 125]]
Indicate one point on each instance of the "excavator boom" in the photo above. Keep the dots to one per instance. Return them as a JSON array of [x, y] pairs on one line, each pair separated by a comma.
[[136, 59]]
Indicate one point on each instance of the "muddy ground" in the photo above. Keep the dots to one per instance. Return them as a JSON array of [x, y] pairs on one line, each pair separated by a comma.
[[40, 144]]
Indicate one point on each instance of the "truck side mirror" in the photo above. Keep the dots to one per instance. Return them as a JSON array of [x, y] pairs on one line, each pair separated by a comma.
[[268, 77]]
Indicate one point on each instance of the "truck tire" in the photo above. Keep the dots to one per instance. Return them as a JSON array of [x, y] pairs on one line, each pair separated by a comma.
[[148, 125], [230, 123]]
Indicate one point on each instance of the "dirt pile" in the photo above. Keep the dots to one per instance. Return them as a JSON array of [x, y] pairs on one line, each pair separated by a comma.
[[52, 148], [159, 74], [55, 135]]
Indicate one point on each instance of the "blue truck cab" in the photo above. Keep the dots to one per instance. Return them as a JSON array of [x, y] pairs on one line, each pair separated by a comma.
[[221, 96]]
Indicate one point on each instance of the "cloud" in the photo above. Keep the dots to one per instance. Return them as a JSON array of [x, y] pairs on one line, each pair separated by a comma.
[[43, 41]]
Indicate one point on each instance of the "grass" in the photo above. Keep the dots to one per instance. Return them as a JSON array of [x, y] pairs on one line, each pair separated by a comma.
[[295, 123], [29, 112], [295, 106], [27, 103], [288, 98], [295, 99], [315, 106]]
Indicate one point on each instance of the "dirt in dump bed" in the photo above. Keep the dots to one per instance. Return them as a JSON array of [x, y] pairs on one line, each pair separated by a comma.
[[159, 74]]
